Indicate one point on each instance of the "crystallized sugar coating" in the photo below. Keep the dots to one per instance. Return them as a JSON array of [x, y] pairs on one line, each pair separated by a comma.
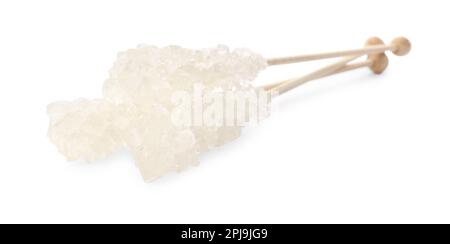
[[83, 129], [135, 111], [149, 74]]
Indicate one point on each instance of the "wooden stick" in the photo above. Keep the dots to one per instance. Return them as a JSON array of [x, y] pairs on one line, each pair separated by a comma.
[[292, 83], [377, 62], [348, 67], [399, 46]]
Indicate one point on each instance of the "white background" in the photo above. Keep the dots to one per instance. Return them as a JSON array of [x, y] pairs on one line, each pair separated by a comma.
[[355, 148]]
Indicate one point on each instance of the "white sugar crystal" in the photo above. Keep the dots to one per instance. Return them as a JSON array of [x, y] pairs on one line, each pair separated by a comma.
[[83, 129], [136, 106]]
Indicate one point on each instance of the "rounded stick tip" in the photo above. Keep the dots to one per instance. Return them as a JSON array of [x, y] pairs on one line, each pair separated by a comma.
[[402, 46], [379, 61], [373, 41]]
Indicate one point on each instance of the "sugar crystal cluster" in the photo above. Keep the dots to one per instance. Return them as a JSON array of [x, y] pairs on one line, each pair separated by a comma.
[[135, 111]]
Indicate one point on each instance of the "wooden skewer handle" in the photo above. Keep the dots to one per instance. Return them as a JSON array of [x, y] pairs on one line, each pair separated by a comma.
[[399, 46], [291, 84], [348, 67], [377, 62]]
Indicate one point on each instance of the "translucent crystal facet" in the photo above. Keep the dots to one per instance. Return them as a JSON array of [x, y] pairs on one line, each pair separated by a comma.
[[135, 111]]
